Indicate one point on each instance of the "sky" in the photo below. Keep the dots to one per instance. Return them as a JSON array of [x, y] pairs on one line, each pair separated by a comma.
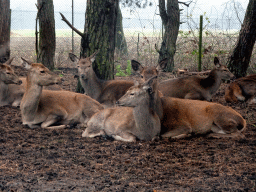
[[79, 5], [212, 9]]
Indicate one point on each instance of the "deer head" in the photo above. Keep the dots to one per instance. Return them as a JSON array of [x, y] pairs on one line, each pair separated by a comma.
[[7, 74], [222, 70], [139, 93], [39, 74]]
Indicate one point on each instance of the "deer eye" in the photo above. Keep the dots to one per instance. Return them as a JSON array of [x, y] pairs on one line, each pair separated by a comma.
[[141, 76], [131, 93], [42, 71], [8, 73]]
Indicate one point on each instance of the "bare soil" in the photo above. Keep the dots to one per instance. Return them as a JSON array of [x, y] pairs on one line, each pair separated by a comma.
[[61, 160]]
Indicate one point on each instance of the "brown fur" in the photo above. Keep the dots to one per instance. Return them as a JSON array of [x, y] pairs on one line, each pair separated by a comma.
[[196, 87], [106, 92], [183, 117], [137, 121], [242, 89], [10, 89], [53, 109]]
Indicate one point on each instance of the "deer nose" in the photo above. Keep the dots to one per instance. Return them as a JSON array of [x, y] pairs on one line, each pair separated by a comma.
[[19, 82], [76, 76], [83, 76]]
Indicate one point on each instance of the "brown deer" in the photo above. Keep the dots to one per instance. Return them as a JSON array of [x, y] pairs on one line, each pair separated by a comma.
[[242, 89], [137, 120], [10, 90], [180, 118], [52, 109], [184, 117], [106, 92], [195, 87]]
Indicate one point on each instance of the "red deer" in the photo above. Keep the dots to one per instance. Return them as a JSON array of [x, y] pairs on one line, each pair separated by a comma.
[[195, 87], [10, 90], [137, 120], [52, 109], [106, 92], [179, 118], [242, 89]]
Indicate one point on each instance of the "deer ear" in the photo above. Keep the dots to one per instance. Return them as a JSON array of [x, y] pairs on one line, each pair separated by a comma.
[[216, 62], [136, 66], [92, 57], [26, 64], [163, 63], [9, 61], [150, 84], [73, 57]]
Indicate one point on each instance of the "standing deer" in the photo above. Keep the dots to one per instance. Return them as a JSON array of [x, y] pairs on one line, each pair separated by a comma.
[[195, 87], [52, 109], [106, 92], [137, 120], [10, 90], [242, 89]]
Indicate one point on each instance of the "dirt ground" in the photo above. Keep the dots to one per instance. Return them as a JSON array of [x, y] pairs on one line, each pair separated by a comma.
[[61, 160]]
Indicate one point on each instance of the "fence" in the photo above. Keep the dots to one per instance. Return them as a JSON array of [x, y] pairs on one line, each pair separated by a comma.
[[142, 33]]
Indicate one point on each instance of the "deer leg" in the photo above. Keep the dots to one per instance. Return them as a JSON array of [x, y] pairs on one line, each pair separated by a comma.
[[178, 133], [51, 120], [88, 132], [194, 96], [124, 136]]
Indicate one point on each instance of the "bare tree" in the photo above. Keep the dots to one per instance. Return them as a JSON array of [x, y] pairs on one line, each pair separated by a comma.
[[170, 15], [240, 58], [47, 40], [5, 22]]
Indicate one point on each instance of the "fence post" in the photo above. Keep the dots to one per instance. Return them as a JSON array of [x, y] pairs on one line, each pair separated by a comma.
[[72, 25], [200, 44]]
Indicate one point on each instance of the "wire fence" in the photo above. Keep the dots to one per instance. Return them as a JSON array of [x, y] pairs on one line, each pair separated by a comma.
[[141, 33]]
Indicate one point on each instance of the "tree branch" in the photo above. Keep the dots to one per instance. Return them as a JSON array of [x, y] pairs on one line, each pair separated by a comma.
[[186, 4], [71, 26]]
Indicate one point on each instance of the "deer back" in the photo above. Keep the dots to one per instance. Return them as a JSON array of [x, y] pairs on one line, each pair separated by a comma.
[[196, 87]]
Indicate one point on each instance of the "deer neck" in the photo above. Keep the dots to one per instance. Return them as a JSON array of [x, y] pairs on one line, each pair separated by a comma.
[[212, 82], [92, 85], [4, 92], [145, 119], [30, 100]]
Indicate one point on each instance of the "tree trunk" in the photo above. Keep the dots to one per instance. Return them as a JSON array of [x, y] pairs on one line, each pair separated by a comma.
[[240, 58], [5, 22], [120, 39], [99, 33], [171, 21], [47, 41]]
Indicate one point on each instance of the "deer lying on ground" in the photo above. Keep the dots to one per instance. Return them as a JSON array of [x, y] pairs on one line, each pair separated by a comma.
[[137, 120], [195, 87], [106, 92], [183, 117], [10, 90], [242, 89], [180, 118], [52, 109]]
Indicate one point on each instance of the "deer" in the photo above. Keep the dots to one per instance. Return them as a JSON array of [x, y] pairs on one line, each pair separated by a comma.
[[133, 119], [52, 109], [107, 92], [10, 90], [180, 118], [196, 87], [242, 89]]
